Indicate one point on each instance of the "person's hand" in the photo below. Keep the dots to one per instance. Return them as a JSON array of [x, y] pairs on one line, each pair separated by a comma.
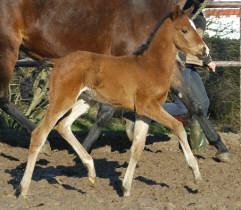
[[212, 66]]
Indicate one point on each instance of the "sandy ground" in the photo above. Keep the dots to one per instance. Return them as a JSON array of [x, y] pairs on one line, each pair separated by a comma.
[[162, 178]]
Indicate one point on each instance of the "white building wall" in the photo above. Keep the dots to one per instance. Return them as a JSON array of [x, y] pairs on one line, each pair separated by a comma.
[[224, 27]]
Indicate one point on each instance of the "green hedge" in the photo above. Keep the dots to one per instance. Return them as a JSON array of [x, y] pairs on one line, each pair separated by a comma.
[[223, 87]]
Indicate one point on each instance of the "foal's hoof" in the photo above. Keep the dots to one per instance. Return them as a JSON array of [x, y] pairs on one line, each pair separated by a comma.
[[92, 180], [22, 193], [224, 157], [126, 192], [46, 149], [22, 197], [198, 180]]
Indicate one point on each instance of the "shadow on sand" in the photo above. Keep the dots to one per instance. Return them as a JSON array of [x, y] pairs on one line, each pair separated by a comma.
[[117, 140]]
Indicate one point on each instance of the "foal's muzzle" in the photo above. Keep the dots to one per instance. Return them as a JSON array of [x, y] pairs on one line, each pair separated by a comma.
[[205, 52]]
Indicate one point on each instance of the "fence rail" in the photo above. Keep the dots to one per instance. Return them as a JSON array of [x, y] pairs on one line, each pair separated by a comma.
[[228, 63], [224, 4]]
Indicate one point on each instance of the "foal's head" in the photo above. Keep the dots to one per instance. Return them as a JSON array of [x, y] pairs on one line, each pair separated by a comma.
[[186, 37]]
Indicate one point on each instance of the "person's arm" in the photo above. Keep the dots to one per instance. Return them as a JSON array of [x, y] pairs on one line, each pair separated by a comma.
[[212, 66], [207, 61]]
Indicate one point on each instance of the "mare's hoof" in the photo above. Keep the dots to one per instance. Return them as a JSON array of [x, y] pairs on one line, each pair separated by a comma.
[[224, 157]]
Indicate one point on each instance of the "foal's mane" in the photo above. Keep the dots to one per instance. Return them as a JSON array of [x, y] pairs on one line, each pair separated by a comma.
[[146, 45]]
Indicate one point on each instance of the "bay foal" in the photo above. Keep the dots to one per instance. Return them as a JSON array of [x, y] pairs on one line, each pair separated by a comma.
[[138, 83]]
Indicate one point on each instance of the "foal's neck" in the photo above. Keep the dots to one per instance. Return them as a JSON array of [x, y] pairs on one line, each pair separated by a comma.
[[162, 50]]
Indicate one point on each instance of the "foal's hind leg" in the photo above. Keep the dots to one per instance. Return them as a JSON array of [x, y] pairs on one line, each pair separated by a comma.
[[140, 132], [38, 138], [64, 128], [55, 111]]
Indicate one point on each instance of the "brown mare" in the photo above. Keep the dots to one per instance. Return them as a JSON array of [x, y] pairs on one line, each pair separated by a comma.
[[136, 82], [55, 28]]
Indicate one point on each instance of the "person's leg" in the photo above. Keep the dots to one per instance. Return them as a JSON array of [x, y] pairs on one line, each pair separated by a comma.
[[176, 107], [197, 138], [180, 88], [199, 90]]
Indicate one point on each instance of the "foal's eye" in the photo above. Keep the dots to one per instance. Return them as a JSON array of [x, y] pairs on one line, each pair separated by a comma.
[[184, 31]]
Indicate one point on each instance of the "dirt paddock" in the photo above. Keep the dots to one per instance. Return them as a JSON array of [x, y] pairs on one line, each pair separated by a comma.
[[162, 178]]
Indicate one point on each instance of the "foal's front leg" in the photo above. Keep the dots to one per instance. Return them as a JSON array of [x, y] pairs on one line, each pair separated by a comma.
[[38, 137], [193, 105], [140, 132], [157, 113]]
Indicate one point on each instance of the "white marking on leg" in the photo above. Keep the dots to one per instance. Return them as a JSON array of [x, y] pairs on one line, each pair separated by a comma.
[[80, 107], [38, 138], [64, 128], [140, 132], [190, 159], [82, 90]]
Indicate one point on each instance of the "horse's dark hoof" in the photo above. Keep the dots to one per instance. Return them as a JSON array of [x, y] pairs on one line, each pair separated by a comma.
[[224, 157]]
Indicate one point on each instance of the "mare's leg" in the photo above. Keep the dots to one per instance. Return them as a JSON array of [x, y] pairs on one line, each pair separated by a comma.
[[140, 132], [158, 114], [193, 105], [9, 47], [64, 128], [105, 114]]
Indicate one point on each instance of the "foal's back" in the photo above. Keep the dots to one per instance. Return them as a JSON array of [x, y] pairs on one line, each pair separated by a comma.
[[115, 76]]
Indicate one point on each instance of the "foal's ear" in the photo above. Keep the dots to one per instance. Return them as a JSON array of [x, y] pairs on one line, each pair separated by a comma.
[[177, 12], [188, 12]]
